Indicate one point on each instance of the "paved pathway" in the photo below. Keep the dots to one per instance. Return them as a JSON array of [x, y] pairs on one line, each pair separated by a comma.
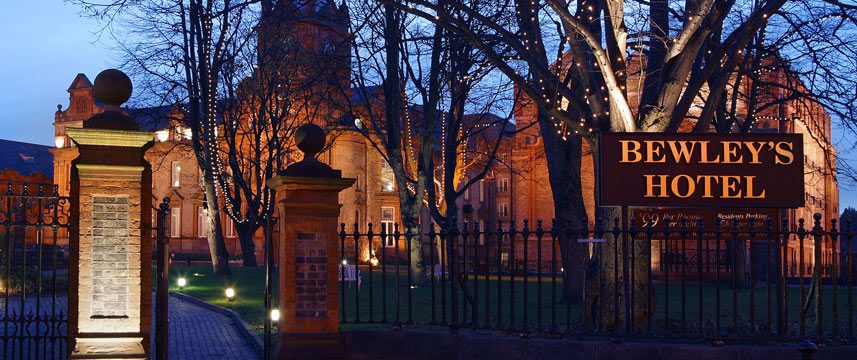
[[195, 332], [200, 333]]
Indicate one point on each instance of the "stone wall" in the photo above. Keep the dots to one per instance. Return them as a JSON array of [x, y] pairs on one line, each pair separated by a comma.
[[110, 246], [110, 260]]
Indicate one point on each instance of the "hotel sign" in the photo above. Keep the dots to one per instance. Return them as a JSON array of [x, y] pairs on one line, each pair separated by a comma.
[[702, 170]]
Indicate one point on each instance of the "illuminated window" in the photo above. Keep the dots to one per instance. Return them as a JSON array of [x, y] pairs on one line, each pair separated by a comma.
[[481, 232], [387, 179], [388, 214], [467, 190], [502, 185], [481, 191], [176, 222], [201, 222], [503, 210], [175, 178], [230, 228]]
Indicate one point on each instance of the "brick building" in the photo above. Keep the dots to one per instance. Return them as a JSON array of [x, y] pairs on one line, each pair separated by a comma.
[[530, 199], [516, 190]]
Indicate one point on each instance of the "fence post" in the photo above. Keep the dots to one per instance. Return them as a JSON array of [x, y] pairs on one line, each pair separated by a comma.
[[308, 253], [807, 349], [110, 277], [162, 296]]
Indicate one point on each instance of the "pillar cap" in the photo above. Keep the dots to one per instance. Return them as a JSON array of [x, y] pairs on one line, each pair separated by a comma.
[[282, 182], [108, 137]]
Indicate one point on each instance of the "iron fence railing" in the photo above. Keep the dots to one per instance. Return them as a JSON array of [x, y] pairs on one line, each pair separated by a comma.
[[778, 281], [33, 273]]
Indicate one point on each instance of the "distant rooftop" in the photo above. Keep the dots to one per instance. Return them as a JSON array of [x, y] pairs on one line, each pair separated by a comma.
[[26, 158]]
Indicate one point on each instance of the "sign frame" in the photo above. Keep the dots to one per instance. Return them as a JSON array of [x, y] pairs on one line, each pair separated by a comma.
[[788, 194]]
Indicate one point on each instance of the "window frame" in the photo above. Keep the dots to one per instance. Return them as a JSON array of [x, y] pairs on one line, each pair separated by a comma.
[[175, 222], [503, 185], [388, 225], [201, 223], [503, 210], [386, 169], [175, 174]]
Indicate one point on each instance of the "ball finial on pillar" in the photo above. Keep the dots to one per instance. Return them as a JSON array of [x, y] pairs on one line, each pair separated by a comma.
[[310, 139], [113, 88]]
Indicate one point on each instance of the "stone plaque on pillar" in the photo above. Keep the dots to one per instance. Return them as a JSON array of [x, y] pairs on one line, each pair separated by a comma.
[[110, 281], [308, 254]]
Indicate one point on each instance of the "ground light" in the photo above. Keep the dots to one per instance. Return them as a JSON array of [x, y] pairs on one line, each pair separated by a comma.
[[230, 294], [182, 282], [275, 315]]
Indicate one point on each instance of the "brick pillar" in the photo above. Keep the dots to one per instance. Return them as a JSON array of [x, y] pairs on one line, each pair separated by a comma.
[[308, 253], [110, 277]]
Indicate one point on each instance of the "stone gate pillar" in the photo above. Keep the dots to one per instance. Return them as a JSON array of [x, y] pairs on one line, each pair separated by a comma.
[[110, 272], [308, 253]]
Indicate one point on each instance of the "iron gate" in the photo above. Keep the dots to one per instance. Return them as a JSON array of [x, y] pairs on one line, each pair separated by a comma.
[[33, 272]]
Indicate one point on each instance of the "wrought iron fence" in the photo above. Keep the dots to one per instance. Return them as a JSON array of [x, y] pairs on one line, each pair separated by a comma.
[[33, 273], [778, 281]]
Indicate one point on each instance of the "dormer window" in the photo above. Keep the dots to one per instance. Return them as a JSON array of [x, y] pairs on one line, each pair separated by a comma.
[[29, 159], [328, 48]]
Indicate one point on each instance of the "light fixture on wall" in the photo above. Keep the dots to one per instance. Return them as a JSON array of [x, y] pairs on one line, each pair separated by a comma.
[[162, 135], [59, 141]]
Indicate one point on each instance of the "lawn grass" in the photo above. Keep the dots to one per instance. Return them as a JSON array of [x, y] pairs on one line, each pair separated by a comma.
[[249, 284]]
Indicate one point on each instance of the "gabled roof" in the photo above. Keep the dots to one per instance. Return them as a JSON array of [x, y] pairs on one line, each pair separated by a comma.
[[362, 94], [80, 82], [26, 158]]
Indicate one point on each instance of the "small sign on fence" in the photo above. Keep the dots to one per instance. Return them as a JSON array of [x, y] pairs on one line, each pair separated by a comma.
[[592, 240]]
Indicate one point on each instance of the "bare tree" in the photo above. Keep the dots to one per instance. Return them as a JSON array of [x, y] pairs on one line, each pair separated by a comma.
[[275, 82], [178, 50], [404, 143], [691, 50]]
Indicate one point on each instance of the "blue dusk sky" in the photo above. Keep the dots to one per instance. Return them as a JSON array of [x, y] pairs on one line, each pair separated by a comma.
[[46, 43]]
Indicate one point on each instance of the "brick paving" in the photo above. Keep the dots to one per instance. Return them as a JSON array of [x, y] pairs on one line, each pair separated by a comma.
[[195, 332], [200, 333]]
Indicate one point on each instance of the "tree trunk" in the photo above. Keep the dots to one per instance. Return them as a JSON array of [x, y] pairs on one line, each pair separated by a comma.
[[246, 233], [411, 224], [564, 159], [216, 242], [608, 269], [738, 260]]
